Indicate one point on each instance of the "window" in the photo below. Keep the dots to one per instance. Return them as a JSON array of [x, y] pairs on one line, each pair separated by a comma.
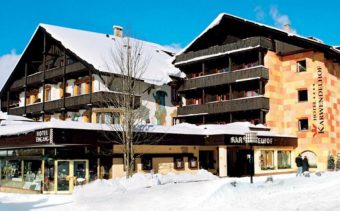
[[47, 118], [77, 89], [48, 93], [160, 112], [116, 118], [301, 66], [267, 160], [251, 93], [28, 99], [303, 95], [174, 95], [178, 162], [146, 163], [303, 124], [75, 117], [193, 162], [108, 117], [283, 159]]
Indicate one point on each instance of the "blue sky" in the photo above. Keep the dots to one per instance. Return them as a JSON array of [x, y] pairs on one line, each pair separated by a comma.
[[164, 22]]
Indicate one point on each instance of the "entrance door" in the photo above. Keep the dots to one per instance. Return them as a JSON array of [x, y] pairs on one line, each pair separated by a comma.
[[239, 162], [206, 159], [63, 176], [70, 173], [79, 172]]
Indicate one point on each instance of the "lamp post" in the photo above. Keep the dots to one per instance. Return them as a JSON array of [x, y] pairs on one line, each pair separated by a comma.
[[251, 138]]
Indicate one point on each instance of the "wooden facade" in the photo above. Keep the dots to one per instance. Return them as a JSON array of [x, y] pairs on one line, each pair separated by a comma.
[[46, 61]]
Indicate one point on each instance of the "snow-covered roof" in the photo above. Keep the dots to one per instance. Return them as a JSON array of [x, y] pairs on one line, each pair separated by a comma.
[[7, 64], [13, 118], [14, 127], [97, 48], [219, 18]]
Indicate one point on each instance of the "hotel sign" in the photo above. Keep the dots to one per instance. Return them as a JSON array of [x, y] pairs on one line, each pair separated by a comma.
[[44, 136], [318, 127], [244, 140]]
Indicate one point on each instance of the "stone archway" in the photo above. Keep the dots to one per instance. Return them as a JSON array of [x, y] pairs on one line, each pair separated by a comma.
[[312, 158]]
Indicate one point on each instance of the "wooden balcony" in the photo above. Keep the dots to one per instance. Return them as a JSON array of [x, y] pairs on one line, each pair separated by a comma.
[[49, 74], [225, 78], [221, 50], [99, 99], [242, 104]]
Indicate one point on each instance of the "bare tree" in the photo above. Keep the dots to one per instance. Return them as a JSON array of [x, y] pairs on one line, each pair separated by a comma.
[[129, 59]]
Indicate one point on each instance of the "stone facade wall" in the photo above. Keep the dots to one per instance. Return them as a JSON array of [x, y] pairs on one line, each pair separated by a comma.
[[321, 79]]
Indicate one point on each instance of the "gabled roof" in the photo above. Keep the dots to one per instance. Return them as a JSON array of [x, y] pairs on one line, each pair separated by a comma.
[[270, 29], [96, 49]]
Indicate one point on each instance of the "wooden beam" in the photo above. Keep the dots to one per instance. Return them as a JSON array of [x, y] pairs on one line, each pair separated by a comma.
[[8, 102], [43, 81], [25, 89]]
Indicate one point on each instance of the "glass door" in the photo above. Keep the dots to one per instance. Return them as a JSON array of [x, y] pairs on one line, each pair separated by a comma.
[[63, 176], [80, 172]]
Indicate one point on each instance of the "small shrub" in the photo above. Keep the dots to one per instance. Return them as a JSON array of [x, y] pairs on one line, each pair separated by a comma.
[[331, 163]]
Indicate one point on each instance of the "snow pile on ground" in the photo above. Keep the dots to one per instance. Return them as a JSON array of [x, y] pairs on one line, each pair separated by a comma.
[[100, 189], [144, 192]]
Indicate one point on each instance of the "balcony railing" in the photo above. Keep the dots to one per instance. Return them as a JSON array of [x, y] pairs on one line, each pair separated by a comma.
[[242, 104], [49, 74], [225, 78], [75, 102], [220, 50]]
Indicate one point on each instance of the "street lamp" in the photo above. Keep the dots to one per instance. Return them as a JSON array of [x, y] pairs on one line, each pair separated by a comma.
[[251, 138]]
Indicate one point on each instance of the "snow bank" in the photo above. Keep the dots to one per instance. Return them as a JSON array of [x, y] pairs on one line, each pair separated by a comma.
[[101, 189], [286, 192]]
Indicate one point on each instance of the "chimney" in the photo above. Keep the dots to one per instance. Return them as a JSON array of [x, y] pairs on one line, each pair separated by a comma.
[[286, 28], [118, 31]]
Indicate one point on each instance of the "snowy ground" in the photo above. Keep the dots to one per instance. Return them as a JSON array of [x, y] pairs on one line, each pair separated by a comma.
[[173, 192]]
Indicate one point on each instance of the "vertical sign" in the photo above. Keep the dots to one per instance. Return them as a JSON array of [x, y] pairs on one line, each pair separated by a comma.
[[318, 126]]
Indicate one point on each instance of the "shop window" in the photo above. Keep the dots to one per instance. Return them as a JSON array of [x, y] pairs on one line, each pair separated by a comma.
[[178, 162], [11, 175], [283, 159], [49, 174], [146, 163], [303, 95], [301, 66], [32, 174], [303, 124], [267, 160]]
